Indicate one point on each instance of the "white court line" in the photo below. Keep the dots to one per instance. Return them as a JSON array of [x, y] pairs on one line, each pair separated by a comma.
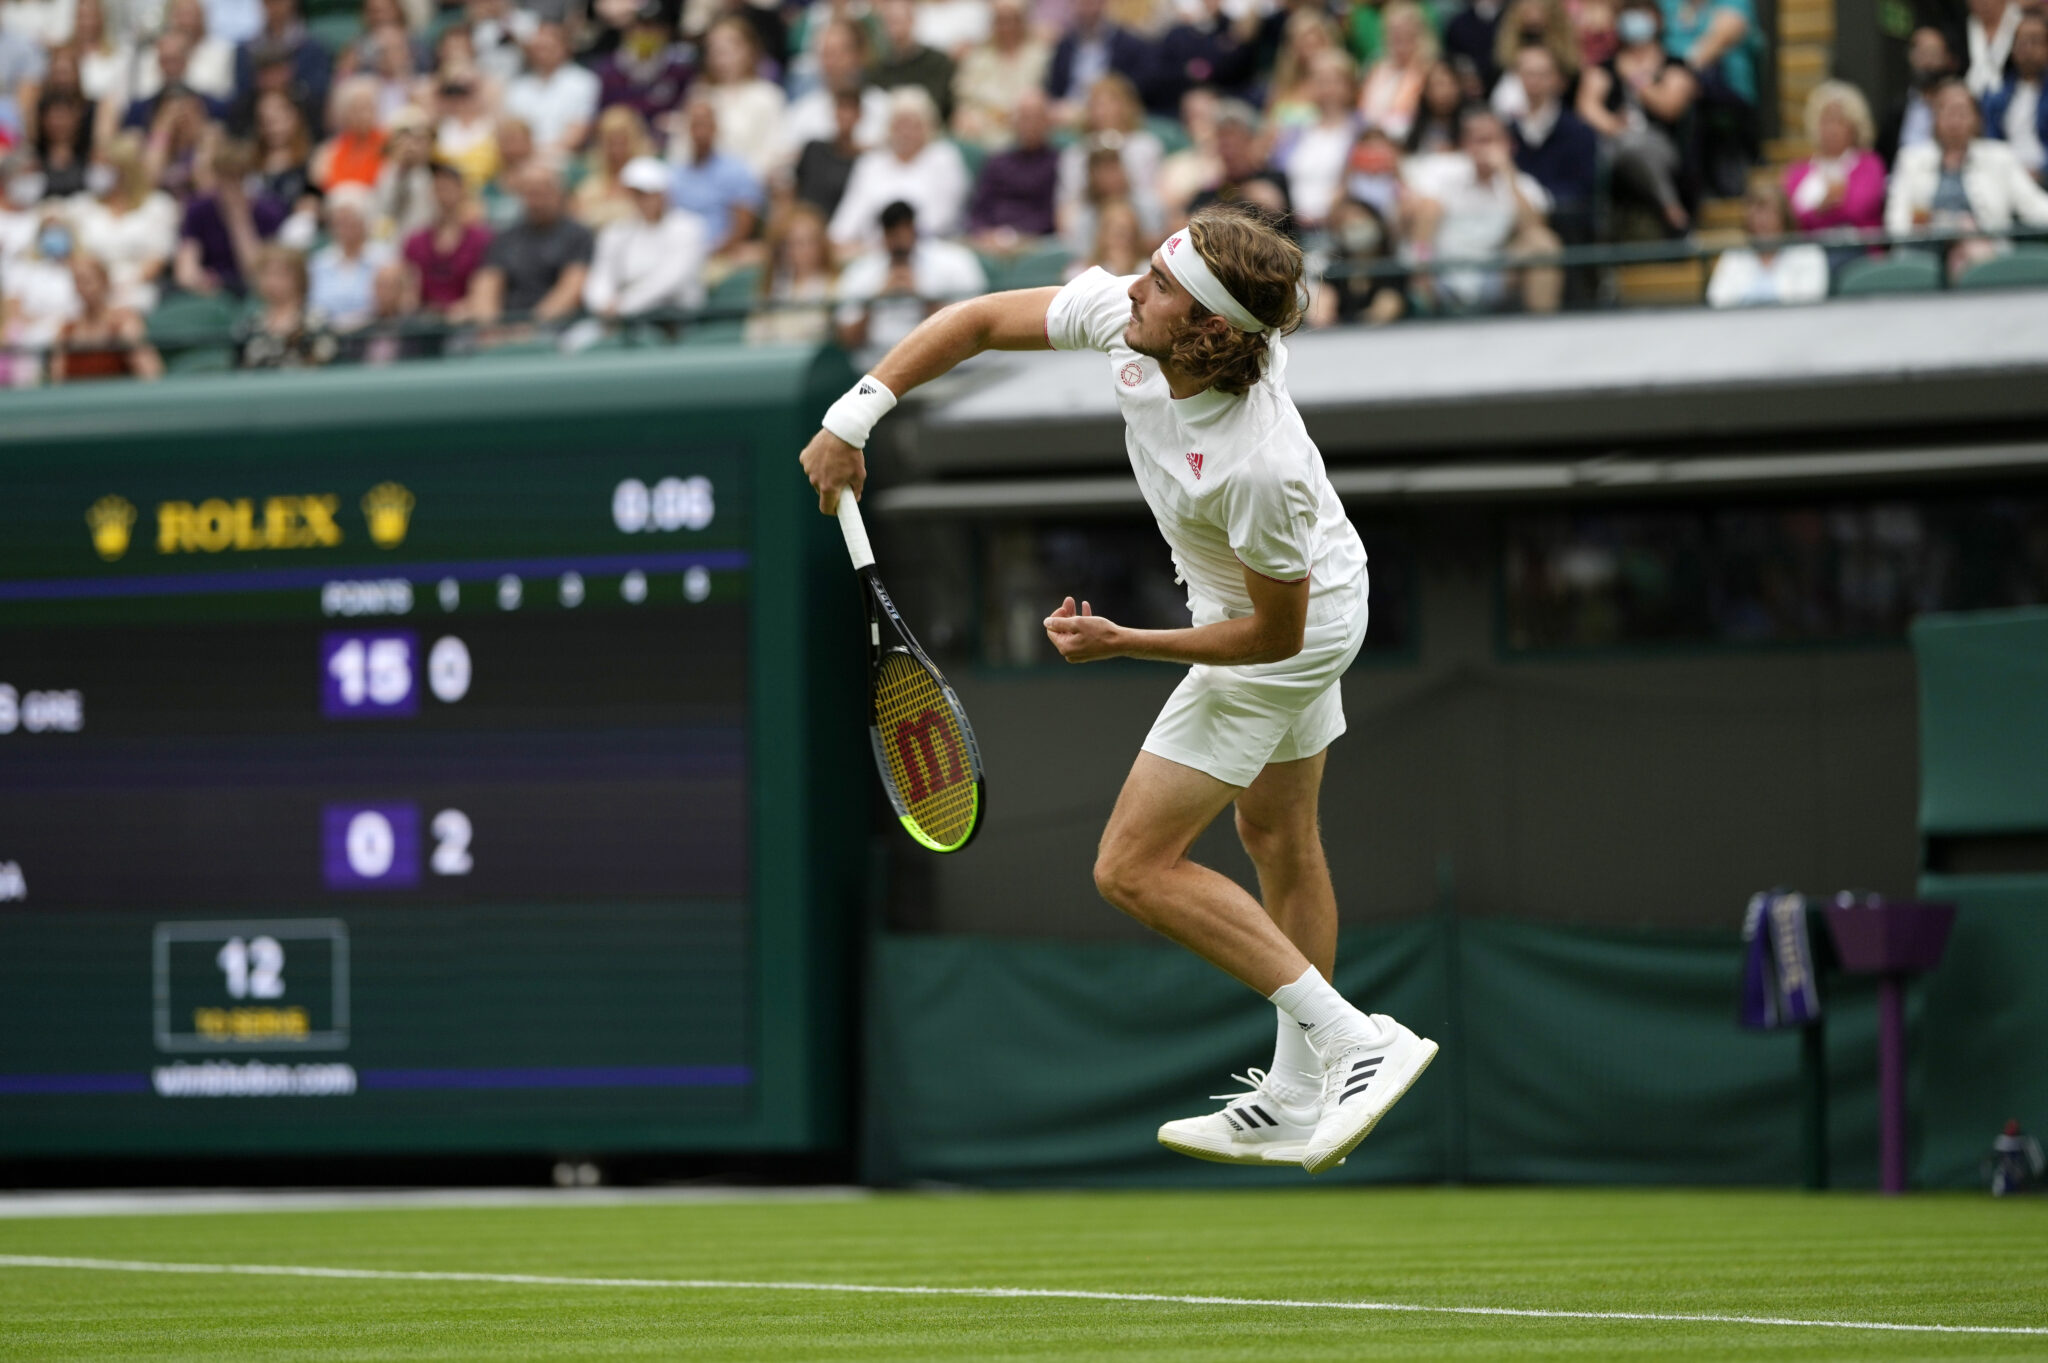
[[183, 1202], [1053, 1293]]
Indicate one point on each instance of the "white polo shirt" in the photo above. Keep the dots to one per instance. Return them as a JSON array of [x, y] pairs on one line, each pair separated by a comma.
[[1234, 482]]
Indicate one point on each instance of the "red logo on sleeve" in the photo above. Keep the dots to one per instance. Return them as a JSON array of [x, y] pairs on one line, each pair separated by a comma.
[[1195, 463]]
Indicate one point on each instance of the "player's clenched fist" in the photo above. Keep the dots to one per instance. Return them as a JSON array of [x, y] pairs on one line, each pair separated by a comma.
[[1081, 635], [832, 465]]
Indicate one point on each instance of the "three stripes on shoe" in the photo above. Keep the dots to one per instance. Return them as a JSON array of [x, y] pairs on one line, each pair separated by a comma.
[[1361, 1075], [1251, 1117]]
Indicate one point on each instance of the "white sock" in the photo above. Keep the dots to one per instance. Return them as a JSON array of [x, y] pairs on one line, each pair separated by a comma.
[[1297, 1074], [1321, 1014]]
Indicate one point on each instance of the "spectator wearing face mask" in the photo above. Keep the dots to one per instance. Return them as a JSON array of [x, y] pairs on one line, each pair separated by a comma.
[[37, 297], [1910, 123], [1768, 271], [21, 189], [651, 261], [886, 292], [1637, 102], [1351, 295], [2015, 113], [1475, 205]]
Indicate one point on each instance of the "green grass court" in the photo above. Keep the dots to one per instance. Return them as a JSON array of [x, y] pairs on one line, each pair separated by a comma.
[[1925, 1260]]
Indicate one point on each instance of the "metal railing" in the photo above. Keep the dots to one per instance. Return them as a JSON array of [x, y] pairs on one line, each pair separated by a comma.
[[424, 335]]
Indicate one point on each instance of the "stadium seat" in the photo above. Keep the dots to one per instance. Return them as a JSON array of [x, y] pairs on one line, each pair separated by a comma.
[[1902, 272], [1172, 136], [192, 333], [726, 332], [336, 32], [974, 155], [200, 360], [2025, 268], [1033, 267], [735, 292]]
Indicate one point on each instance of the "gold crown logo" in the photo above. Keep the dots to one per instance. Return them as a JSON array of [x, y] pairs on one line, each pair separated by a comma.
[[110, 519], [388, 508]]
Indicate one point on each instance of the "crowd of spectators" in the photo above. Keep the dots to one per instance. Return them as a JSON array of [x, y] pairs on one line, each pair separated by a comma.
[[416, 177]]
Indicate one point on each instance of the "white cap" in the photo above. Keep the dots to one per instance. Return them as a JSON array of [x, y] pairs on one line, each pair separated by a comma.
[[645, 174]]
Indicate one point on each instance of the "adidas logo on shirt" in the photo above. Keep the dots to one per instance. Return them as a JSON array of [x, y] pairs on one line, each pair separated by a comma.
[[1195, 463]]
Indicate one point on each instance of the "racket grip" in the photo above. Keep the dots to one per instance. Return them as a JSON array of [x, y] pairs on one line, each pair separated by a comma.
[[856, 531]]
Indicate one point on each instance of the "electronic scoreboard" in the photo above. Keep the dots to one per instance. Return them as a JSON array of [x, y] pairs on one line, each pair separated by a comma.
[[415, 761]]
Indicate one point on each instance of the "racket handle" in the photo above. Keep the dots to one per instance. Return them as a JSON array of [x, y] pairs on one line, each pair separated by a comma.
[[856, 532]]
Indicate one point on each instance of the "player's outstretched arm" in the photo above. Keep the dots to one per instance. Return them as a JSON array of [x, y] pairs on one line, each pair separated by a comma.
[[1014, 320]]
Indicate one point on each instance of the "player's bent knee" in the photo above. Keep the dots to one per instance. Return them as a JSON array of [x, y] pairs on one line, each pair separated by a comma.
[[1120, 881]]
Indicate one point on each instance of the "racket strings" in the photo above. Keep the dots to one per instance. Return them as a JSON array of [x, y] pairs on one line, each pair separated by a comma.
[[927, 753]]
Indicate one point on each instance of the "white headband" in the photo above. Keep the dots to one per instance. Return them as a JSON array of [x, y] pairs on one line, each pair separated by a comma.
[[1198, 279]]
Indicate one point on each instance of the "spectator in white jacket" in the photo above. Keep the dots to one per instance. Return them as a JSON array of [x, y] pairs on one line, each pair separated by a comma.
[[653, 259], [1961, 179], [913, 168], [1768, 271]]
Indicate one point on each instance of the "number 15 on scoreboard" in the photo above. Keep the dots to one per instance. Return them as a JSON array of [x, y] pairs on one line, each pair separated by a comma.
[[373, 674]]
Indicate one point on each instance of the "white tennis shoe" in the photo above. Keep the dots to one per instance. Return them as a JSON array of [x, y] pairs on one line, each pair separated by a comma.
[[1360, 1083], [1254, 1127]]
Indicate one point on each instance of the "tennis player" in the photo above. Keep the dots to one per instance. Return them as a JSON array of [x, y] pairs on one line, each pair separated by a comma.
[[1276, 579]]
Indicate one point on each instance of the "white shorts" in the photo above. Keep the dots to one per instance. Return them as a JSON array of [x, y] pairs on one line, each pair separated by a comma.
[[1231, 721]]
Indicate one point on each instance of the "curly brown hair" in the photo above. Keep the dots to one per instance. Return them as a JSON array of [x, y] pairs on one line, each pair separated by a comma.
[[1255, 260]]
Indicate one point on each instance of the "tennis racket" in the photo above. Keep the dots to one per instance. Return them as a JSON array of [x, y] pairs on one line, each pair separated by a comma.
[[924, 746]]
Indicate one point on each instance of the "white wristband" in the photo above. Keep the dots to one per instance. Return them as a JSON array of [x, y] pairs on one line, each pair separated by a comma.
[[854, 416]]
